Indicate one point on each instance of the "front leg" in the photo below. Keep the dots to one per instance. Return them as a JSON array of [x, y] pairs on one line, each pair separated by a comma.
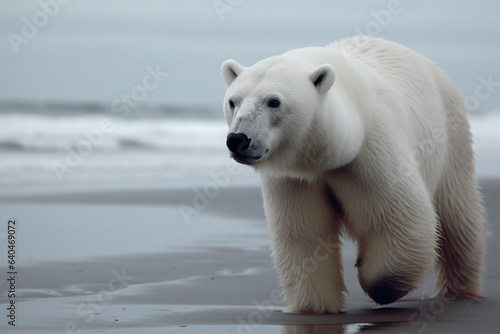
[[304, 229]]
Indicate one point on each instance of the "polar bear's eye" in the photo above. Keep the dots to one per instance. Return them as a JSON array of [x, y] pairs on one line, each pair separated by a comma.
[[273, 103], [231, 104]]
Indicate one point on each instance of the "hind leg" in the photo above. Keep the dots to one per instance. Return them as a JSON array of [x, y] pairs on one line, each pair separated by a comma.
[[462, 238]]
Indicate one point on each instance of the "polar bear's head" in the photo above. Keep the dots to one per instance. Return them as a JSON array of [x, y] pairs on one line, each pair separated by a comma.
[[270, 108]]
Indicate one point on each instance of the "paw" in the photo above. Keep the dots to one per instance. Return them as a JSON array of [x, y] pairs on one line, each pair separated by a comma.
[[318, 307], [298, 310], [450, 293], [389, 289]]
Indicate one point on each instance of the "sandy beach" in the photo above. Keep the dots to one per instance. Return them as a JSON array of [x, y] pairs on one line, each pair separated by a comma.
[[123, 259]]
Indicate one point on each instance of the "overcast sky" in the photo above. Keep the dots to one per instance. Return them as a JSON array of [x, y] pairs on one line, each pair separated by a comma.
[[95, 50]]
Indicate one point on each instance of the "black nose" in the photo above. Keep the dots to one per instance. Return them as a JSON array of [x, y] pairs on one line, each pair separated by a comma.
[[238, 143]]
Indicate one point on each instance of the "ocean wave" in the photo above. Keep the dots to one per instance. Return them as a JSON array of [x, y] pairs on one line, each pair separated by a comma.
[[37, 133]]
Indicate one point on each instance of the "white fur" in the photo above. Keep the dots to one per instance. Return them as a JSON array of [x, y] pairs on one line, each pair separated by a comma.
[[370, 139]]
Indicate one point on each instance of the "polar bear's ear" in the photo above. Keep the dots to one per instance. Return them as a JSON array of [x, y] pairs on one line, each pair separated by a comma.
[[230, 70], [323, 77]]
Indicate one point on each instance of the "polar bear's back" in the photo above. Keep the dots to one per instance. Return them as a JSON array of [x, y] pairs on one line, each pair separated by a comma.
[[398, 66], [370, 48], [393, 62], [431, 116], [380, 53]]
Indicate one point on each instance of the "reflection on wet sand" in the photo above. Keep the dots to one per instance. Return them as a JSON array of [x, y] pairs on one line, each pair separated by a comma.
[[330, 329]]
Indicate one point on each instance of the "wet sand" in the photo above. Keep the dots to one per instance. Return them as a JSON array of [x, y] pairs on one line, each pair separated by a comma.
[[124, 260]]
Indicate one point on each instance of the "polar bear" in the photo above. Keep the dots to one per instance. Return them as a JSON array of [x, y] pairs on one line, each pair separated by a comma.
[[367, 139]]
